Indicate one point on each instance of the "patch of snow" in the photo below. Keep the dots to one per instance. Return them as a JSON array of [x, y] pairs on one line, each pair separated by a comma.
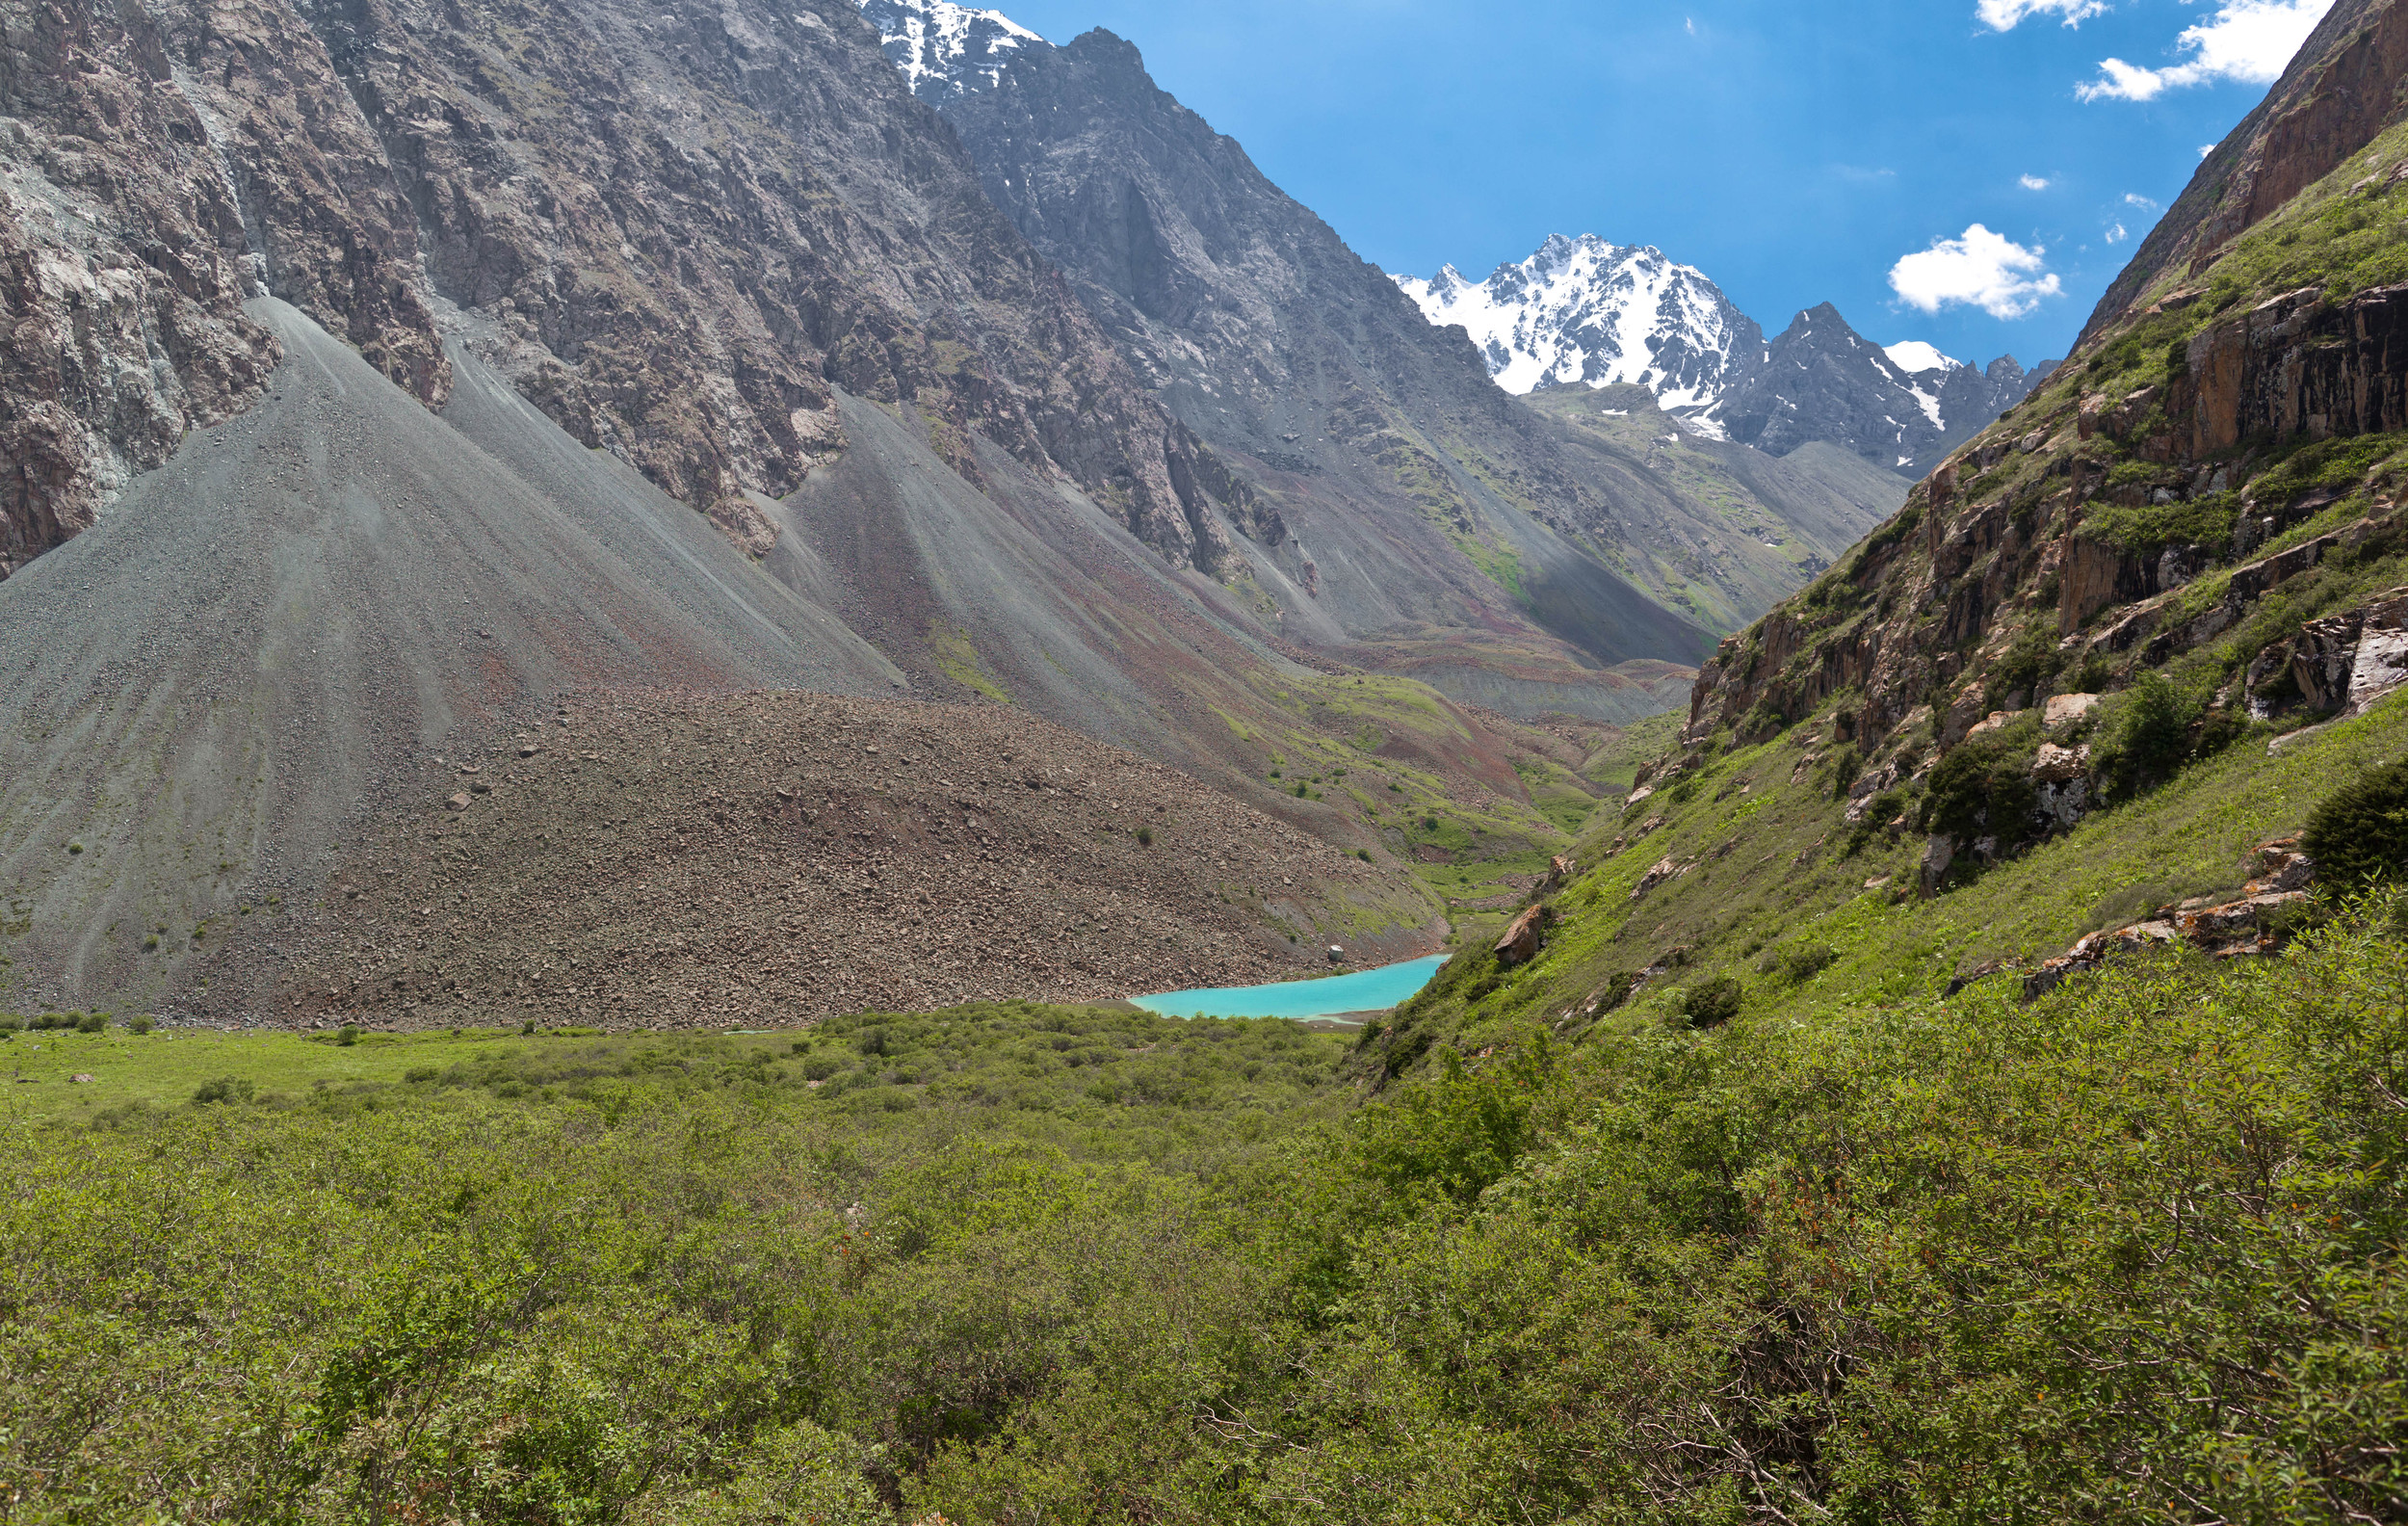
[[1930, 404], [944, 48], [1915, 357]]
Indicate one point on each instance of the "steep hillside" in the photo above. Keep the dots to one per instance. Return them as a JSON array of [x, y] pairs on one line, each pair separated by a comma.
[[208, 689], [2114, 646], [724, 258], [1718, 530], [2339, 91], [189, 766], [1415, 496]]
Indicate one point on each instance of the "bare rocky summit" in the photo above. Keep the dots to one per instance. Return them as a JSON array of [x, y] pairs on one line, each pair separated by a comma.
[[665, 860]]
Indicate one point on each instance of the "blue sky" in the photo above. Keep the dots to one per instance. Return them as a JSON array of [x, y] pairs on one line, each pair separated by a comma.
[[1794, 151]]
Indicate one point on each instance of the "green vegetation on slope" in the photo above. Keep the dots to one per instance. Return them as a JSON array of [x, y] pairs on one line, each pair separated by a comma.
[[2129, 1253]]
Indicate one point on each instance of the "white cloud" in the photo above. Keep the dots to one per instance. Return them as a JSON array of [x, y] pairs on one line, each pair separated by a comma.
[[1982, 270], [2035, 183], [2117, 234], [2004, 15], [2134, 198], [2246, 41], [1691, 24]]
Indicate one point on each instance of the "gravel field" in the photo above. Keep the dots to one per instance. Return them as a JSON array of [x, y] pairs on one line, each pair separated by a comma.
[[665, 859]]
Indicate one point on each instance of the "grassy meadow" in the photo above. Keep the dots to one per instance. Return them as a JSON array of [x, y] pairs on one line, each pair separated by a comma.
[[2128, 1253]]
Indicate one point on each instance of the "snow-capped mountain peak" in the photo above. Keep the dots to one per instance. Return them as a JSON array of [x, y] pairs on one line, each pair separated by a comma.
[[1585, 310], [947, 51]]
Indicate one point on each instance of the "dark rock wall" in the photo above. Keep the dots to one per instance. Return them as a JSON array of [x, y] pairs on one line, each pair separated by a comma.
[[673, 227], [2296, 365]]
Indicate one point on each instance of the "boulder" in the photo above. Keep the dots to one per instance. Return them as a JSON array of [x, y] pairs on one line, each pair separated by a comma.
[[2280, 866], [2217, 928], [2060, 765], [1521, 941], [2066, 709], [458, 803], [2061, 786], [1939, 851]]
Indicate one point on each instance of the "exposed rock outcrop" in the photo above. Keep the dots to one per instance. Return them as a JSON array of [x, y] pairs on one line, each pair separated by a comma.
[[676, 231], [2293, 365], [2342, 662], [1523, 940], [2249, 924]]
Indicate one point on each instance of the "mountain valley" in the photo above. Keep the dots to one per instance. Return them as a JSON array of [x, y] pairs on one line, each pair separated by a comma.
[[624, 633]]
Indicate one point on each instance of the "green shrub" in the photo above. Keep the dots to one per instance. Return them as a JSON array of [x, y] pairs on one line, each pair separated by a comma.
[[2358, 833], [1985, 787], [1712, 1003], [802, 1473], [1900, 525], [224, 1089], [2145, 531], [2147, 739], [138, 1024], [92, 1023], [1797, 963], [1879, 812], [419, 1075], [1145, 834], [1847, 764], [348, 1036], [2030, 660]]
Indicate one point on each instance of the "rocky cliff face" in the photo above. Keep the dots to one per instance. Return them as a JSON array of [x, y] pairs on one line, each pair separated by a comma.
[[677, 230], [2206, 493], [2340, 91], [157, 170]]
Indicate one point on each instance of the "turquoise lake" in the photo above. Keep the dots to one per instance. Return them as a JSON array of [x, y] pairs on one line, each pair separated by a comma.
[[1363, 990]]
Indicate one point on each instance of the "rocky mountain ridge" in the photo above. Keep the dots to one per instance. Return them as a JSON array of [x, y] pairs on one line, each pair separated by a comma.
[[677, 232], [1436, 527], [1587, 312]]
